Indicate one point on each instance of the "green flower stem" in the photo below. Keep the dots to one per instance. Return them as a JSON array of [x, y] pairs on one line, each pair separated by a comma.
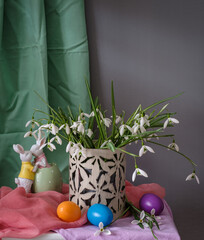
[[113, 111], [118, 217], [47, 105], [95, 112], [159, 144], [131, 154], [132, 117]]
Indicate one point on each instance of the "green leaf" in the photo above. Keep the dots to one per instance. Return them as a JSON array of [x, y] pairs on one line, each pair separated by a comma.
[[164, 100], [111, 146], [113, 110], [95, 112]]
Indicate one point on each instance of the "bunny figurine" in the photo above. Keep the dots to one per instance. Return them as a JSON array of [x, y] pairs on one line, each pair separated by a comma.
[[37, 151], [26, 175]]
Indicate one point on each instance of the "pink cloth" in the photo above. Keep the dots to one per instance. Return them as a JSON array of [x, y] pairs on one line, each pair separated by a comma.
[[27, 215], [122, 229]]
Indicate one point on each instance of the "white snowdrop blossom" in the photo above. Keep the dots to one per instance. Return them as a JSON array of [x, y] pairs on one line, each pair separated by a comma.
[[193, 176], [153, 214], [30, 134], [68, 146], [81, 128], [49, 145], [144, 149], [141, 221], [107, 122], [54, 129], [78, 127], [170, 120], [83, 115], [102, 230], [140, 172], [173, 146], [118, 119], [137, 127], [122, 129], [89, 132], [57, 139], [154, 135], [66, 127], [78, 148], [144, 120], [33, 123]]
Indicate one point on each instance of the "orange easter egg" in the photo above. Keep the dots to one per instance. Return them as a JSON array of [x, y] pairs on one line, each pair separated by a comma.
[[68, 211]]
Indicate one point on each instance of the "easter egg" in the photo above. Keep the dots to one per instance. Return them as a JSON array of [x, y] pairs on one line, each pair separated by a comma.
[[149, 201], [68, 211], [99, 213]]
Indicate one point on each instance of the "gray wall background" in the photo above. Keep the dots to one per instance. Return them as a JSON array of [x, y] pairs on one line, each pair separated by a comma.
[[153, 50]]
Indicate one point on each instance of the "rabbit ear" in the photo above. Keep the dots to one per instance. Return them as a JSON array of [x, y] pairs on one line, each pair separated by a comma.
[[18, 148], [42, 141]]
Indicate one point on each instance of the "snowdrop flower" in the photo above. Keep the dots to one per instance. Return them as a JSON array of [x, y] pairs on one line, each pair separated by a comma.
[[170, 120], [54, 129], [137, 127], [140, 172], [57, 139], [137, 116], [78, 126], [81, 128], [89, 132], [144, 149], [82, 115], [78, 148], [102, 230], [67, 128], [153, 214], [68, 146], [153, 135], [192, 176], [30, 134], [142, 216], [118, 119], [144, 120], [49, 145], [107, 122], [122, 129], [32, 122], [173, 146]]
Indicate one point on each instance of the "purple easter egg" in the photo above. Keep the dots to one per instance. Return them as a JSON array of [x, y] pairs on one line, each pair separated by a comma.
[[149, 201]]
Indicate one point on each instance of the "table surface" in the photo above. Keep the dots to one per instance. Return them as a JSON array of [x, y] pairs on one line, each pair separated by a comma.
[[46, 236], [122, 229]]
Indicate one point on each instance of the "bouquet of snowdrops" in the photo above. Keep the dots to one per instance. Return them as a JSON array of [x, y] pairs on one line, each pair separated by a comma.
[[96, 130]]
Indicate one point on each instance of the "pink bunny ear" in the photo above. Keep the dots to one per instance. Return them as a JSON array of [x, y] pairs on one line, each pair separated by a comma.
[[18, 148], [42, 141]]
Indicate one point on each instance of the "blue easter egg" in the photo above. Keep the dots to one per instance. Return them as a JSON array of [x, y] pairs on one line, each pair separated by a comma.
[[99, 213]]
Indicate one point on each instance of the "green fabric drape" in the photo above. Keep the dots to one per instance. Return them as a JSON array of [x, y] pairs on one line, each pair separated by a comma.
[[43, 47]]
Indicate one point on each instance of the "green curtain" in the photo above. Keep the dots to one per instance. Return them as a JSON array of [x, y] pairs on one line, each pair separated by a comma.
[[43, 48]]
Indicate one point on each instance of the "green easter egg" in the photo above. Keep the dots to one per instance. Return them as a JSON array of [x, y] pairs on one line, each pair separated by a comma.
[[48, 179]]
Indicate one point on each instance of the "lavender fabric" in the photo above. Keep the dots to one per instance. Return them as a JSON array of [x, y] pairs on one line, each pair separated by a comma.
[[122, 229]]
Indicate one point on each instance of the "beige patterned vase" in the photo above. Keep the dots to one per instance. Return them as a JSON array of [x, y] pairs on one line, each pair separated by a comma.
[[98, 177]]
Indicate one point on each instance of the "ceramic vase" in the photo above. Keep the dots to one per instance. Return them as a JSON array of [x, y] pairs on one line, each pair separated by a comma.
[[48, 179], [98, 177]]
